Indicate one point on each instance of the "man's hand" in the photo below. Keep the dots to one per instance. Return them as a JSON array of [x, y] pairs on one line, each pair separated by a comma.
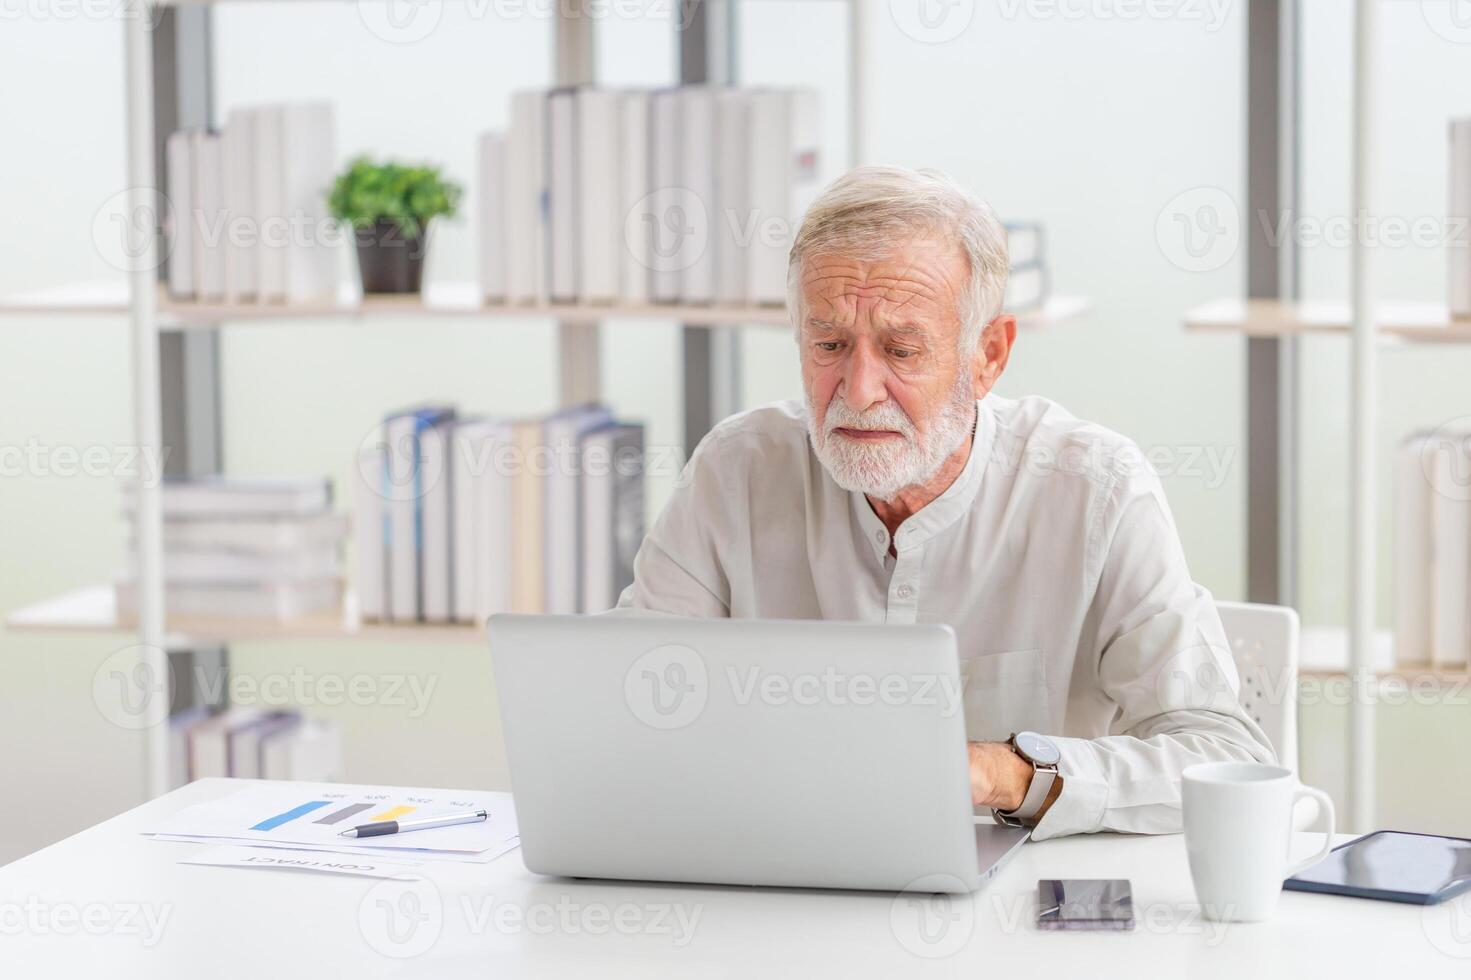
[[999, 778]]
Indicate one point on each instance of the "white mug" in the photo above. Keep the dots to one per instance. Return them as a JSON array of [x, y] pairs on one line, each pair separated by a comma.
[[1238, 834]]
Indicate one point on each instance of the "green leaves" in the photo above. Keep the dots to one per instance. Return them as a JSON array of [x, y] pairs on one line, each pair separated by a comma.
[[409, 196]]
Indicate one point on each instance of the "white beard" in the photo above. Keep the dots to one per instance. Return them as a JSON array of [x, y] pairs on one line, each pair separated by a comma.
[[882, 469]]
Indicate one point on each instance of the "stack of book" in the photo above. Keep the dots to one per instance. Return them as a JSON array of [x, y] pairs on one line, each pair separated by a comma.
[[682, 195], [252, 743], [248, 215], [1432, 614], [460, 518], [1027, 282], [245, 549]]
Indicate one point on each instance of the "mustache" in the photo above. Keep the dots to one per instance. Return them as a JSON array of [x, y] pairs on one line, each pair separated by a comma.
[[885, 417]]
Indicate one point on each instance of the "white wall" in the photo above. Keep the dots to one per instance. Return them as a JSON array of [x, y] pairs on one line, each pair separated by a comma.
[[1093, 126]]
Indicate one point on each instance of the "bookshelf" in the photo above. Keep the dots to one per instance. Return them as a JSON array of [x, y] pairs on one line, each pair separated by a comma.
[[168, 55], [439, 300], [1411, 323]]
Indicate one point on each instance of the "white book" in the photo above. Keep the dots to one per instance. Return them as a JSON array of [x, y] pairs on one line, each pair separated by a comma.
[[1413, 556], [368, 517], [633, 175], [308, 160], [205, 567], [612, 513], [209, 207], [1450, 516], [525, 200], [181, 723], [270, 602], [180, 160], [1023, 242], [733, 224], [664, 217], [464, 462], [528, 517], [482, 524], [222, 496], [599, 194], [209, 741], [563, 515], [310, 751], [491, 170], [562, 204], [241, 245], [401, 436], [273, 226], [436, 544], [784, 178], [1458, 214], [266, 535], [699, 243]]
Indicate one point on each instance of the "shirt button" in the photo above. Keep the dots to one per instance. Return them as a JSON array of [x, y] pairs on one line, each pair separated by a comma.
[[880, 537], [904, 592]]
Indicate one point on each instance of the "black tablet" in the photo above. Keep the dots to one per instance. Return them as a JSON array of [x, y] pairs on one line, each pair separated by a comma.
[[1393, 866]]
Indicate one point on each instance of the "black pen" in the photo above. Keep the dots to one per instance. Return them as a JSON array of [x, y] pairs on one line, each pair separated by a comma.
[[383, 827]]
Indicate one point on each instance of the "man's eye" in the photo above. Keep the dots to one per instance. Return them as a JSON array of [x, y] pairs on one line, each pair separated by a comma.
[[829, 345], [901, 353]]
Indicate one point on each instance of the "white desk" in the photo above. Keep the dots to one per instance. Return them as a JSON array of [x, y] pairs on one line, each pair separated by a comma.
[[498, 920]]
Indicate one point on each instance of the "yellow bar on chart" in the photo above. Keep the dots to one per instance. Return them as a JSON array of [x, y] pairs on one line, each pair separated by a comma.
[[392, 814]]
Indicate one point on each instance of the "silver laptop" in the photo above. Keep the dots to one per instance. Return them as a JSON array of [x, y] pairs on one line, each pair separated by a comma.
[[741, 752]]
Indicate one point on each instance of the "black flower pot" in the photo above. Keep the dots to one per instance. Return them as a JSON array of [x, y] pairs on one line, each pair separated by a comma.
[[390, 260]]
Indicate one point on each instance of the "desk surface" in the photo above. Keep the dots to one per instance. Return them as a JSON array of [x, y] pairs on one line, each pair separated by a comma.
[[108, 902]]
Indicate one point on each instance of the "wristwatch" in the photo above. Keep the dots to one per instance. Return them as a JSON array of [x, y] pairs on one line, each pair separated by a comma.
[[1046, 783]]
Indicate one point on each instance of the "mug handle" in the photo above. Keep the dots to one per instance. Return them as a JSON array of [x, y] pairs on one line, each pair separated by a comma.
[[1327, 808]]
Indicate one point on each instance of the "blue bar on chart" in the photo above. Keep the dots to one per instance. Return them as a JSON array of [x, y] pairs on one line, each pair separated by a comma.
[[271, 823], [347, 811]]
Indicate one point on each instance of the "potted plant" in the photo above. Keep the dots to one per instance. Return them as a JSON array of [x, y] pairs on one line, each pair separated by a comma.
[[389, 207]]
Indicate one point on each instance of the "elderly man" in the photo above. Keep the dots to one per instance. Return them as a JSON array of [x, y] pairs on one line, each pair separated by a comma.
[[904, 491]]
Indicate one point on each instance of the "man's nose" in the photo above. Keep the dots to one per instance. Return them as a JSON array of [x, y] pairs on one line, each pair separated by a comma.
[[864, 383]]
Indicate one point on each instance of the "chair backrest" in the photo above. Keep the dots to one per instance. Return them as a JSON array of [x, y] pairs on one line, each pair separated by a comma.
[[1264, 643]]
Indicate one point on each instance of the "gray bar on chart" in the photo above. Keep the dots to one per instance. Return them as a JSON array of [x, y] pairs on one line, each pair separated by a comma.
[[344, 813]]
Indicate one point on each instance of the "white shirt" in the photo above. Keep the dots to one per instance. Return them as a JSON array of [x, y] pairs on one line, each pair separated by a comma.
[[1053, 556]]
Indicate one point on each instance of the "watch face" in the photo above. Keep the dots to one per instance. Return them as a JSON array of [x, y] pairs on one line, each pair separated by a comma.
[[1039, 748]]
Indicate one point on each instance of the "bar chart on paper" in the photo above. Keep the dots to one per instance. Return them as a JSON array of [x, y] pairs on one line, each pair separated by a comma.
[[310, 815]]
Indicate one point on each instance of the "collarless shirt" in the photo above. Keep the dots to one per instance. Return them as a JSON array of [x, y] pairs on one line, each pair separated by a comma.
[[1053, 557]]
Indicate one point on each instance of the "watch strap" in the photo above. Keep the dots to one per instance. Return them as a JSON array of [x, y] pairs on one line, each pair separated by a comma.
[[1037, 792]]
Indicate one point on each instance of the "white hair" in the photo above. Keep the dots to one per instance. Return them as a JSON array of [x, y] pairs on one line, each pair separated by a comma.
[[868, 211]]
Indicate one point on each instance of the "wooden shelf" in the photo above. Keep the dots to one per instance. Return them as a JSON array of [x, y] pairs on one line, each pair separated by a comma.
[[93, 610], [448, 299], [1423, 323], [1323, 652]]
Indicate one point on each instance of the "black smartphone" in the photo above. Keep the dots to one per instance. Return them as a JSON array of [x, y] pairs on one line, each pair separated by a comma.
[[1084, 903]]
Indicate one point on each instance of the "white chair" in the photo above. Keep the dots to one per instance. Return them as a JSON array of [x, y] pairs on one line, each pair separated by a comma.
[[1264, 642]]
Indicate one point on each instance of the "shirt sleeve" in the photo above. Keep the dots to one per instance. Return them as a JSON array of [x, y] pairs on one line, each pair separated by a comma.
[[678, 570], [1163, 659]]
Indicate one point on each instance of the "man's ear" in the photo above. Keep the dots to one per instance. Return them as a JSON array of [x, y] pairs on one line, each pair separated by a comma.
[[992, 352]]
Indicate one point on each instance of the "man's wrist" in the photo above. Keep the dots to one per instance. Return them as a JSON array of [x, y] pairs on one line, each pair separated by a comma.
[[1007, 774]]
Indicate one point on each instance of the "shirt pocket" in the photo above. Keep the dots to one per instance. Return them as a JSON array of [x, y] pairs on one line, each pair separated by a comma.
[[1005, 692]]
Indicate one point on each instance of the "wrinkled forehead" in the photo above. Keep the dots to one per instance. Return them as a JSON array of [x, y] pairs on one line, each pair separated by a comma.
[[915, 284]]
